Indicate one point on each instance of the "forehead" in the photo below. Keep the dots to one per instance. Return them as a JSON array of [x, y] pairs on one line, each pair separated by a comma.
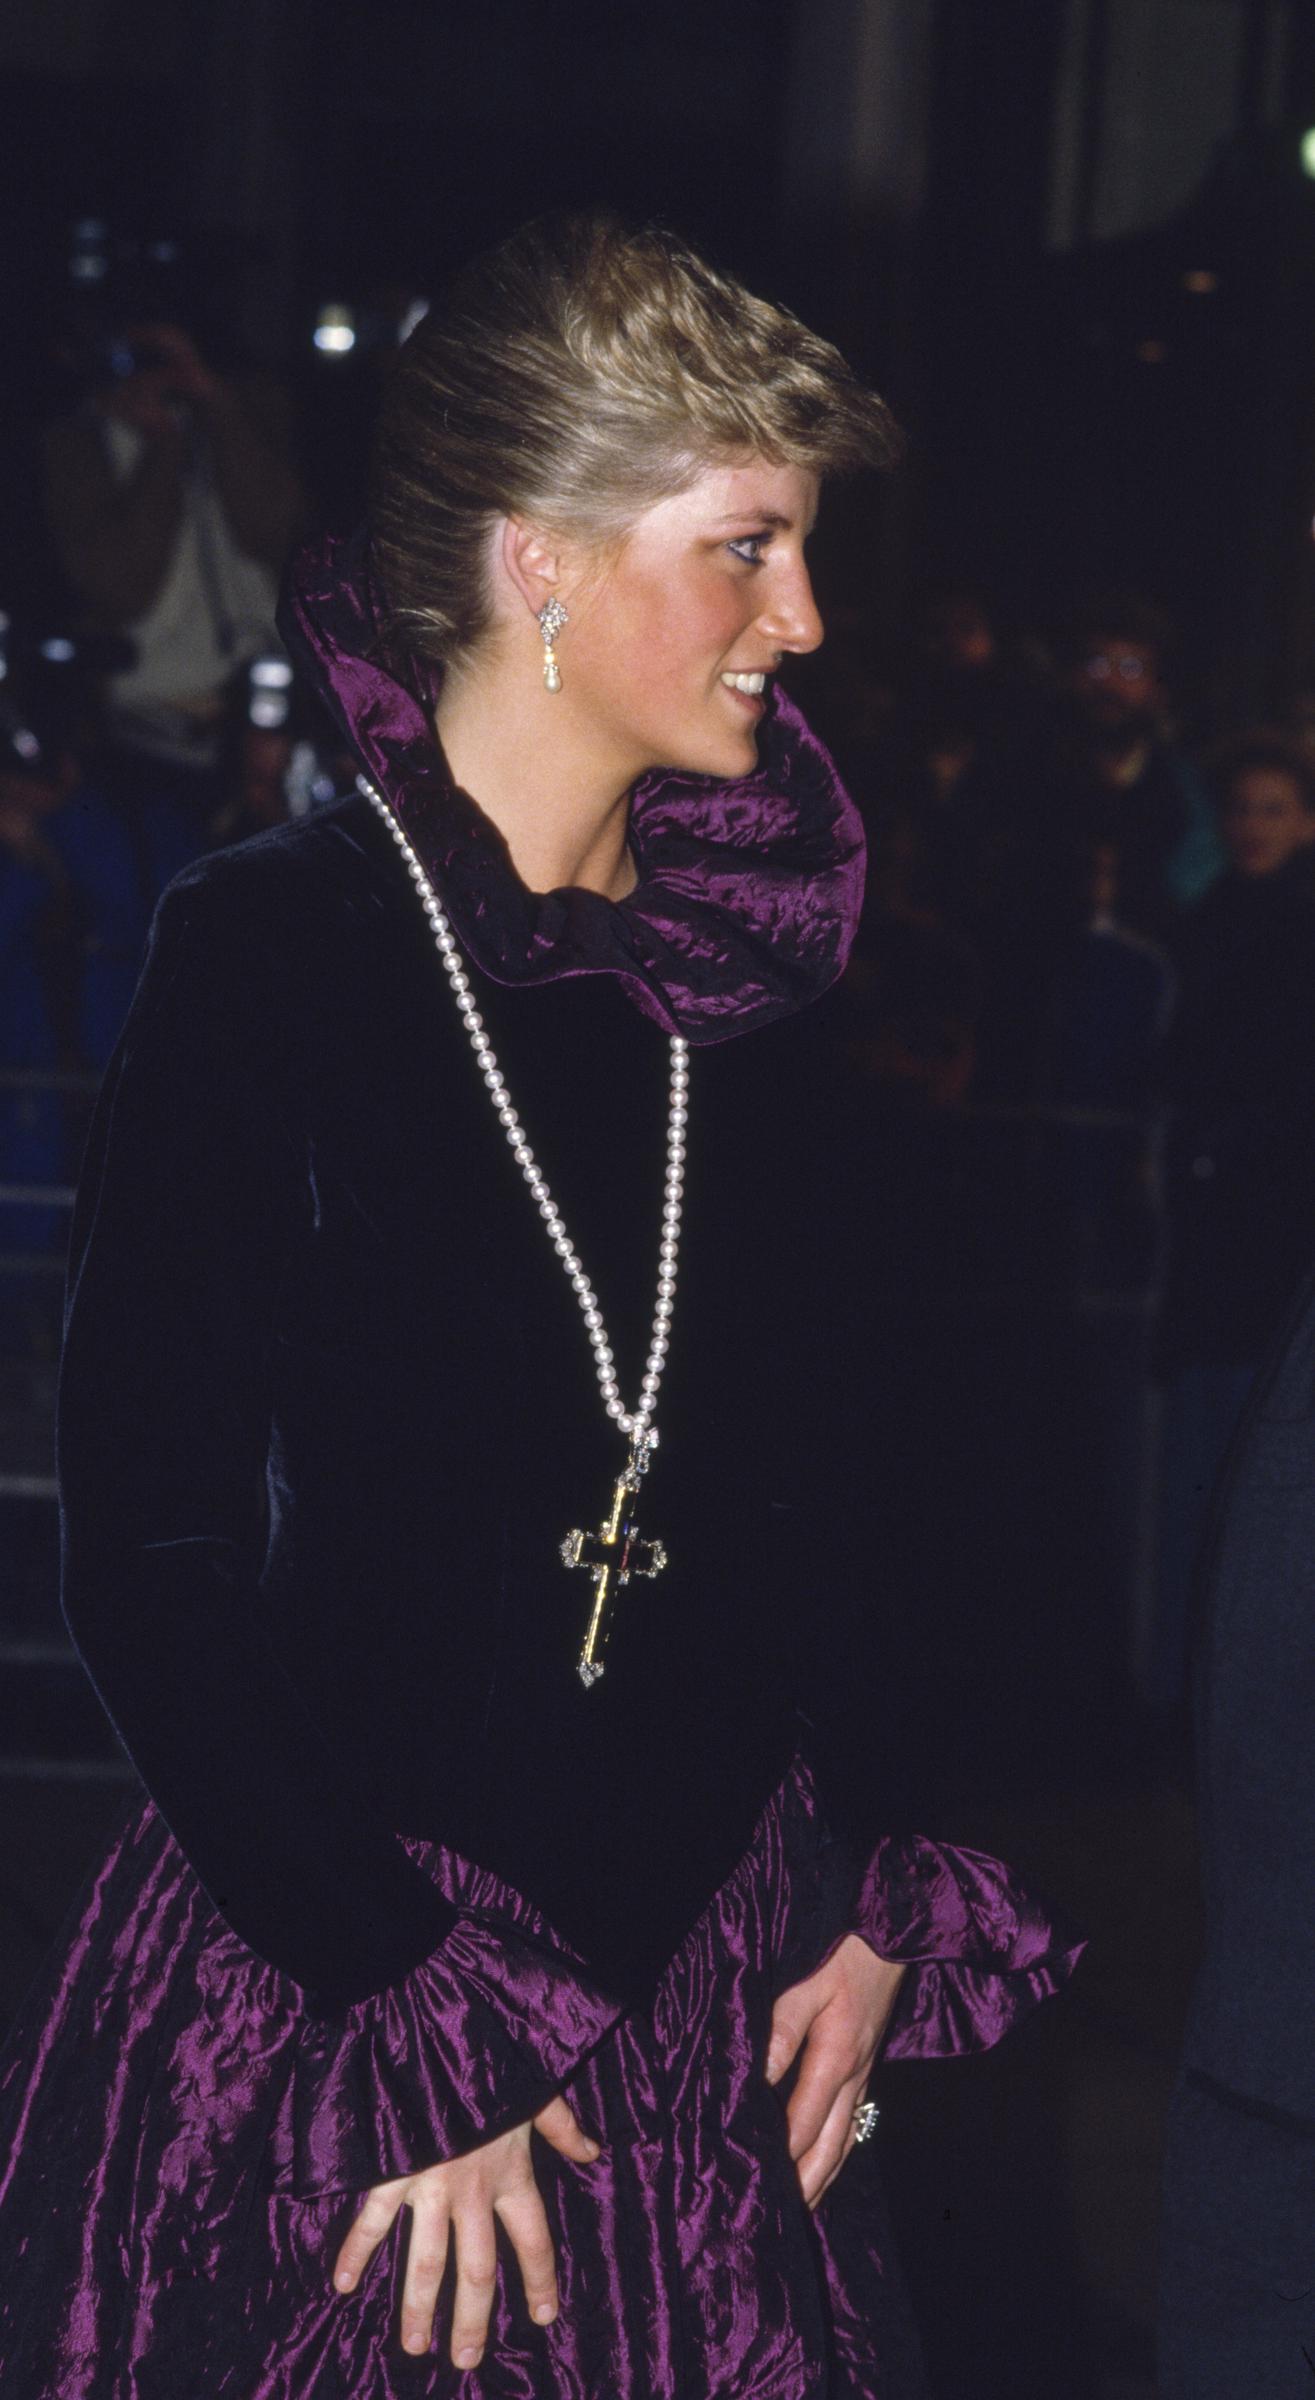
[[1256, 784]]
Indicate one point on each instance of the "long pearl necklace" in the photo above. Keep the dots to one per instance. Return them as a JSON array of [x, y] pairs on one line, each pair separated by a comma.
[[616, 1550]]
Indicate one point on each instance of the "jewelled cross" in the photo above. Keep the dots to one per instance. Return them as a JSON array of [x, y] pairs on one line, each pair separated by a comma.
[[612, 1555]]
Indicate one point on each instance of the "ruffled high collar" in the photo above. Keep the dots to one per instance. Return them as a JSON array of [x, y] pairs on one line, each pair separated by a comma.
[[748, 892]]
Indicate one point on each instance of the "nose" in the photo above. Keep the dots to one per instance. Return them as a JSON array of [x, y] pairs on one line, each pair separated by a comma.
[[792, 621]]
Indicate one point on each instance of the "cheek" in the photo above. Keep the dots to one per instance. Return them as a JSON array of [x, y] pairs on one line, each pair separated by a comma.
[[689, 635]]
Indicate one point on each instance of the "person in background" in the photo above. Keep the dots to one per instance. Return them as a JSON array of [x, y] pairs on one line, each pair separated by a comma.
[[1080, 791], [1239, 1077], [1122, 777], [172, 499], [79, 879], [1268, 812], [99, 869]]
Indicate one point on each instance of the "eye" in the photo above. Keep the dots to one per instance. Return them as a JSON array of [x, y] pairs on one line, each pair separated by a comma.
[[750, 547]]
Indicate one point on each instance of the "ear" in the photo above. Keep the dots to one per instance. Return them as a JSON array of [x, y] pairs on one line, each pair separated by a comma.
[[530, 562]]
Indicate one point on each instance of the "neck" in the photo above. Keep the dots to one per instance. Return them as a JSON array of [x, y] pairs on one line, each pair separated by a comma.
[[542, 777]]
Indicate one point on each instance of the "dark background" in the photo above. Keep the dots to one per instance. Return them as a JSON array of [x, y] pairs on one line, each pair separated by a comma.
[[993, 207], [1074, 244]]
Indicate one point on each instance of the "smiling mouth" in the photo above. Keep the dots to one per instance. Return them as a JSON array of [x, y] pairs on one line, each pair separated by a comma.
[[751, 685]]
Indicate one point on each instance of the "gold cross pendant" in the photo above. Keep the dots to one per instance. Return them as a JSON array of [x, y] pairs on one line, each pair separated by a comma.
[[612, 1555]]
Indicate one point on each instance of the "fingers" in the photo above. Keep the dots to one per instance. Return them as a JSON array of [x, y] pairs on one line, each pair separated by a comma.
[[558, 2125], [426, 2258], [820, 2164], [523, 2214], [477, 2278], [457, 2205], [373, 2222], [828, 2067], [791, 2018]]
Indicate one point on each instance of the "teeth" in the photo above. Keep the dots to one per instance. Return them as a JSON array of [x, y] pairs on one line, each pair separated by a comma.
[[745, 683]]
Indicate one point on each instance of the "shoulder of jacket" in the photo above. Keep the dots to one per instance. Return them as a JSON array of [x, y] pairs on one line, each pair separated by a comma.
[[290, 877]]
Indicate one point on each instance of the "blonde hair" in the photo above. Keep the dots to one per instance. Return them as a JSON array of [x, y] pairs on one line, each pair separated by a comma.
[[574, 377]]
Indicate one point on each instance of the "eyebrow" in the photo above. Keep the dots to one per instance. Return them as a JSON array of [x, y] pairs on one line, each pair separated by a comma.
[[757, 516]]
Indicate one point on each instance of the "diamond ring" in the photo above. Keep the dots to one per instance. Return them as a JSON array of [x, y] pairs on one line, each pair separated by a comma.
[[865, 2120]]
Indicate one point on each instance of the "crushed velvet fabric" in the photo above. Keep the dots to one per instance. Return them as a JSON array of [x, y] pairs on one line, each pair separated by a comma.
[[192, 2143], [326, 1412]]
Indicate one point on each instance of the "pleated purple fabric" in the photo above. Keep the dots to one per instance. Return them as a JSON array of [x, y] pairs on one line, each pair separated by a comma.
[[185, 2146]]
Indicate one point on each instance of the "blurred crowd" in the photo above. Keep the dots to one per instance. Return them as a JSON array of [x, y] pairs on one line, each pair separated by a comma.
[[1076, 914], [1083, 1008], [1080, 1018]]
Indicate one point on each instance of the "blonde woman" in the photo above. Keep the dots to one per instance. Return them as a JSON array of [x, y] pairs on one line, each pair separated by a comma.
[[484, 1990]]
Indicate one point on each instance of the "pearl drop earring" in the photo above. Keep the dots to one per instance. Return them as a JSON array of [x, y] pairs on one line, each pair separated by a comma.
[[552, 617]]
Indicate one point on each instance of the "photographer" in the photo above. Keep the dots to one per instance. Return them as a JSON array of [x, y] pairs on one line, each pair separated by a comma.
[[172, 498]]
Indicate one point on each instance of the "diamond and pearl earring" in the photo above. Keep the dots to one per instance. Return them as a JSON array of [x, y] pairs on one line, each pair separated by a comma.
[[552, 616]]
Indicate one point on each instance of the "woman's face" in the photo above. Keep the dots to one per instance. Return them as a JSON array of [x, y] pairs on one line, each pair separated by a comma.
[[709, 589]]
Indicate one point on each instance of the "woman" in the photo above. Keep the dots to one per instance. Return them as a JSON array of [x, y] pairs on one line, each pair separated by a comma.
[[449, 1894]]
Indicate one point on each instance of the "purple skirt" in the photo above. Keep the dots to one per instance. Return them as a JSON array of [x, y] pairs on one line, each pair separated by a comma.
[[184, 2147]]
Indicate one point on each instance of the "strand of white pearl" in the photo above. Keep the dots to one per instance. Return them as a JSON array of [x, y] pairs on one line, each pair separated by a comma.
[[637, 1423]]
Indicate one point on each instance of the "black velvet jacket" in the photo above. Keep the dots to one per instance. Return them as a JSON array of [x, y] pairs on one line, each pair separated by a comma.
[[328, 1408]]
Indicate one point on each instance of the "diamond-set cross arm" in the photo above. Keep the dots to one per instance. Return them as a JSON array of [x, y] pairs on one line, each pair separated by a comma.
[[611, 1555]]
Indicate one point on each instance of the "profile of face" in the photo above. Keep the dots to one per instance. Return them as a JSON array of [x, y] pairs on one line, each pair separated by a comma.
[[673, 638], [1265, 820]]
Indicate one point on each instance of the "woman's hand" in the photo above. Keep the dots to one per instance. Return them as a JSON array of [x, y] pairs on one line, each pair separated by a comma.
[[839, 2015], [461, 2199]]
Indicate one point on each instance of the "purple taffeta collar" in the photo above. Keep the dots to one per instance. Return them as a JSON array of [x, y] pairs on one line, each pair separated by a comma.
[[748, 893]]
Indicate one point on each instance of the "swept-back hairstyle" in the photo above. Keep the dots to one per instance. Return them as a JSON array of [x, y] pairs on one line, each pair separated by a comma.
[[575, 376]]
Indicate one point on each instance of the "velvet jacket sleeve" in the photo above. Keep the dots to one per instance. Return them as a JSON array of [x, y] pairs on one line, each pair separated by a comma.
[[191, 1196], [194, 1195]]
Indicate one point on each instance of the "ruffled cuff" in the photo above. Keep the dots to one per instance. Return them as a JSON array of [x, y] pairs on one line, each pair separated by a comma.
[[980, 1949], [474, 2040]]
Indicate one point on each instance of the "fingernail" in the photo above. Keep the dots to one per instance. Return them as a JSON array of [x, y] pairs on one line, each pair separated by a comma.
[[774, 2066], [467, 2358], [544, 2313], [591, 2146], [344, 2282]]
